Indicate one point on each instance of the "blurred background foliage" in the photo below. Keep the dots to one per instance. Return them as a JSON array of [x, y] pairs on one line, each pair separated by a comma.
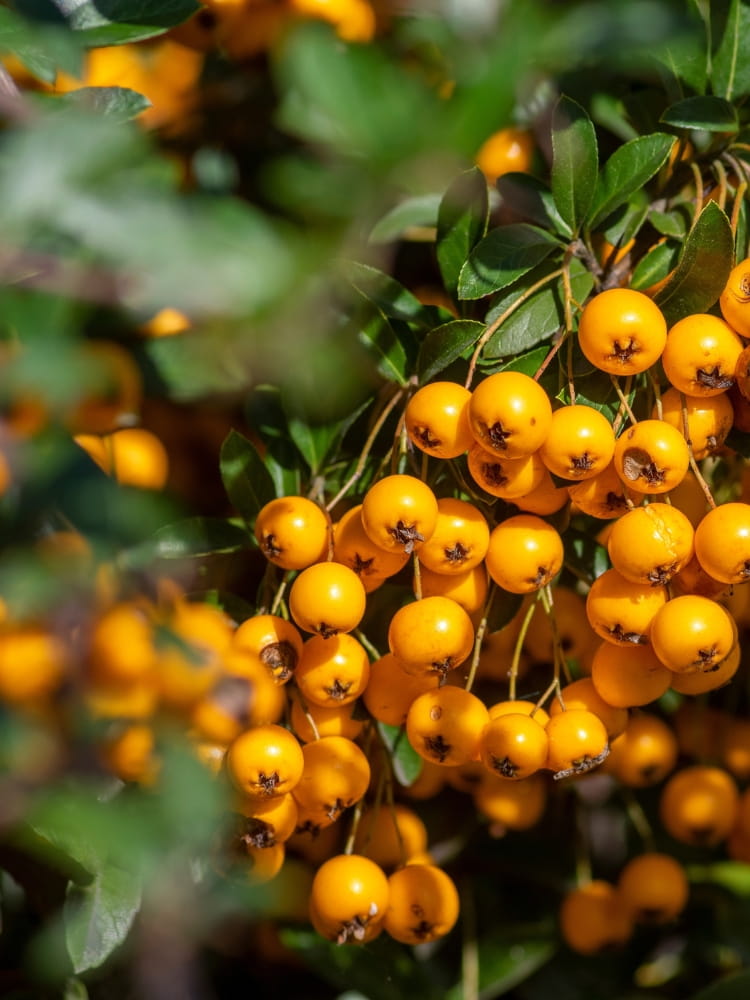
[[212, 172]]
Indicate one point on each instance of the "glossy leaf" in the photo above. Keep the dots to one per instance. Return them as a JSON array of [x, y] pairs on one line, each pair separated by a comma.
[[42, 48], [120, 103], [539, 317], [655, 265], [381, 339], [98, 916], [247, 481], [112, 22], [575, 161], [712, 114], [505, 254], [462, 223], [730, 67], [407, 764], [413, 213], [703, 268], [444, 345], [531, 200], [626, 171], [387, 294]]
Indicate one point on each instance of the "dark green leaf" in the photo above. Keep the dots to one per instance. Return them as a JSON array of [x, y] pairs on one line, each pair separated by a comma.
[[575, 161], [462, 222], [623, 224], [507, 959], [732, 875], [673, 224], [407, 764], [267, 416], [388, 294], [538, 317], [381, 339], [119, 103], [418, 212], [444, 345], [626, 171], [655, 265], [712, 114], [112, 22], [701, 274], [730, 67], [505, 254], [247, 481], [609, 111], [532, 201], [313, 442], [528, 363], [734, 986], [502, 609], [98, 917], [190, 538]]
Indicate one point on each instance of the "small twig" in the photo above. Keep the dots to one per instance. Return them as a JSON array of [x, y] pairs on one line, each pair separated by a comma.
[[623, 398], [693, 464], [518, 648]]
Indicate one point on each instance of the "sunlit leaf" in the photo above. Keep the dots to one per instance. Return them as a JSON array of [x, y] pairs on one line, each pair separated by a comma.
[[701, 274], [112, 22], [505, 254], [462, 222], [626, 171], [444, 345], [407, 764], [388, 294], [247, 481], [730, 66], [575, 161]]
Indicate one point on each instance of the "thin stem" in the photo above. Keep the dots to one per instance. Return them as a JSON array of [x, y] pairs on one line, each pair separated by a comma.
[[718, 166], [559, 656], [693, 464], [306, 709], [583, 854], [621, 410], [567, 300], [499, 320], [280, 594], [469, 947], [551, 354], [358, 808], [657, 394], [417, 577], [623, 399], [518, 649], [479, 639], [376, 428], [362, 638], [638, 818], [698, 181], [552, 688]]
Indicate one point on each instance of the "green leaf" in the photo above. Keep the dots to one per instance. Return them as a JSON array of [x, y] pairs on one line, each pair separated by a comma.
[[313, 441], [673, 224], [418, 212], [267, 416], [381, 339], [119, 103], [626, 171], [731, 875], [193, 537], [444, 345], [506, 959], [98, 917], [388, 294], [703, 269], [575, 161], [42, 48], [462, 222], [734, 986], [712, 114], [655, 265], [730, 69], [539, 317], [248, 483], [112, 22], [75, 989], [531, 200], [503, 607], [505, 254], [407, 764]]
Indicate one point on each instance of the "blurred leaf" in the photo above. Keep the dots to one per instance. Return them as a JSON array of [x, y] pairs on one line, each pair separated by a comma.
[[732, 875], [462, 222], [190, 538], [119, 103], [75, 989], [575, 161], [42, 48], [388, 294], [112, 22], [730, 65], [247, 481], [267, 416], [98, 917], [407, 764], [444, 345], [507, 959], [539, 317], [315, 441], [734, 986], [701, 274], [684, 54], [418, 211], [502, 609], [505, 254], [626, 171], [712, 114]]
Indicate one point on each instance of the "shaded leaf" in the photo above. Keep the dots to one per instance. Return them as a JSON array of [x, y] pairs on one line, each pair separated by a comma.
[[419, 211], [704, 266], [730, 66], [381, 339], [42, 48], [507, 959], [266, 414], [190, 538], [575, 161], [444, 345], [502, 609], [112, 22], [539, 317], [626, 171], [120, 103], [531, 200], [734, 986], [98, 916], [505, 254], [655, 265], [462, 222], [388, 294], [407, 764], [246, 479], [674, 224], [712, 114], [732, 875]]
